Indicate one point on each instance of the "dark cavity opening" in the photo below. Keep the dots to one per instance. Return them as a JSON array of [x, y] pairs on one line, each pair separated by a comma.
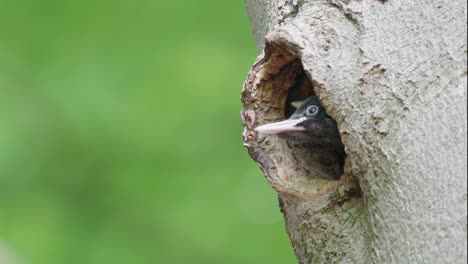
[[330, 159]]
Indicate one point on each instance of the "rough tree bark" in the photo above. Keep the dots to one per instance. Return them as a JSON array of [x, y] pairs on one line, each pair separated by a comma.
[[393, 75]]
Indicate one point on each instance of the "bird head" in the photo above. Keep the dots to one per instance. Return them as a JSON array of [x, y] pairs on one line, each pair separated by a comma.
[[308, 124]]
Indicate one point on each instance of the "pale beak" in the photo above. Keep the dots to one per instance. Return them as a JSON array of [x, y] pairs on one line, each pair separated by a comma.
[[297, 104], [282, 126]]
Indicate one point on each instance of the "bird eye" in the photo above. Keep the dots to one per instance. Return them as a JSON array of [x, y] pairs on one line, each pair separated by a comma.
[[312, 110]]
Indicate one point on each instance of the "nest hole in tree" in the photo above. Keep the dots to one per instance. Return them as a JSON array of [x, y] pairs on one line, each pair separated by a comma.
[[296, 166]]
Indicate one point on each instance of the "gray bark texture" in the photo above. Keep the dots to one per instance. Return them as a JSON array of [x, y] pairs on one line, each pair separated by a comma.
[[393, 75]]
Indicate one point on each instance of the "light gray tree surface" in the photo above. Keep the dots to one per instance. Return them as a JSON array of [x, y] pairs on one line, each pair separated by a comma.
[[393, 75]]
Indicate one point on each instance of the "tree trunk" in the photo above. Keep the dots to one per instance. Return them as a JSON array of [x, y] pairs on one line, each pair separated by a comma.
[[393, 76]]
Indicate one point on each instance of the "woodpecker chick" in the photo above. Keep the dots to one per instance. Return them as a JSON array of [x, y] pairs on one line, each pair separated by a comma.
[[308, 125]]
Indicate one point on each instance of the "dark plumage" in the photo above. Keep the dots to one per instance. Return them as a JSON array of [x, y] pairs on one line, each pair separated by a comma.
[[310, 125]]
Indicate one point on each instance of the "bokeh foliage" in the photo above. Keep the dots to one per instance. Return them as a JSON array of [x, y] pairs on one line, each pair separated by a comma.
[[120, 135]]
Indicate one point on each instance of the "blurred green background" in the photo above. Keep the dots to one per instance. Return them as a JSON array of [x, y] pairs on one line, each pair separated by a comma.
[[120, 135]]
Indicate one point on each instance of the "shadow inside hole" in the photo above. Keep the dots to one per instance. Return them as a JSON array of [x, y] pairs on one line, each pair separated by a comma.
[[299, 91], [329, 158]]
